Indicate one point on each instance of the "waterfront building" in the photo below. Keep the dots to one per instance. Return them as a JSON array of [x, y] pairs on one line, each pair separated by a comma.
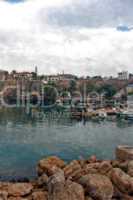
[[3, 75], [123, 75], [59, 77], [130, 96], [21, 75]]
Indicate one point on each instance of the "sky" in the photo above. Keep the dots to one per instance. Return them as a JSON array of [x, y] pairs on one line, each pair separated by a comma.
[[83, 37]]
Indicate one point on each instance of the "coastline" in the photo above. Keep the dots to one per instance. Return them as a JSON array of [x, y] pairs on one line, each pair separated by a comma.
[[89, 179]]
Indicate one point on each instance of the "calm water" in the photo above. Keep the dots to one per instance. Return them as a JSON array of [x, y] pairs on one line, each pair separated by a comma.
[[26, 138]]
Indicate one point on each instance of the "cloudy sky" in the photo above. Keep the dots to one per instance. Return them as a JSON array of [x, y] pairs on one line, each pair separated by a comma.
[[85, 37]]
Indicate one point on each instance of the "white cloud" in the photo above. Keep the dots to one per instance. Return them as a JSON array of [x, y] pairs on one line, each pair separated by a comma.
[[27, 39]]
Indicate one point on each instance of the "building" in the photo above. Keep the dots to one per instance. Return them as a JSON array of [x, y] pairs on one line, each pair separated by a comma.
[[123, 75], [3, 75], [51, 78], [130, 96], [131, 76], [60, 77], [21, 75], [130, 89]]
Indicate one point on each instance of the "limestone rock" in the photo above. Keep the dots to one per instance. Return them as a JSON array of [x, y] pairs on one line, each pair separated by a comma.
[[58, 189], [39, 195], [88, 198], [130, 168], [124, 153], [19, 189], [16, 198], [3, 195], [98, 186], [105, 167], [42, 180], [73, 170], [122, 180], [91, 168], [47, 165]]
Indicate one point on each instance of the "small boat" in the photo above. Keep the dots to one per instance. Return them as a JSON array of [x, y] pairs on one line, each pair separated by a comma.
[[126, 115]]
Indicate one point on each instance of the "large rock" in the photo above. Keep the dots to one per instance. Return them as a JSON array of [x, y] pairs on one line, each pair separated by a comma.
[[39, 195], [47, 165], [3, 195], [16, 198], [122, 180], [58, 189], [19, 189], [125, 197], [124, 153], [105, 167], [130, 168], [42, 180], [73, 170], [56, 182], [91, 168], [88, 198], [98, 186]]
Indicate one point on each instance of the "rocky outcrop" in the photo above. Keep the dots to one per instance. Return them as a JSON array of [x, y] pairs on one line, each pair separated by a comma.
[[49, 165], [97, 186], [19, 189], [124, 153], [90, 179], [59, 189], [122, 181]]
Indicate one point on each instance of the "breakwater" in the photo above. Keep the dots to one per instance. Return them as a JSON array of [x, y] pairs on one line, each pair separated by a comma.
[[89, 179]]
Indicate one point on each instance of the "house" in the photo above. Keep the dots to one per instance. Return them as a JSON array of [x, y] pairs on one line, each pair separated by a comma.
[[123, 75], [130, 96], [130, 89], [21, 75], [59, 77], [3, 75]]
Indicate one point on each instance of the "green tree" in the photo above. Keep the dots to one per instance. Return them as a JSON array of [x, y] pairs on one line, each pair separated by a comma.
[[72, 86], [108, 90], [50, 95]]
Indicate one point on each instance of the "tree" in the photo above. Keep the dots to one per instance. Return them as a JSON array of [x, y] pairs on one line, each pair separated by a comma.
[[108, 90], [50, 95], [72, 86]]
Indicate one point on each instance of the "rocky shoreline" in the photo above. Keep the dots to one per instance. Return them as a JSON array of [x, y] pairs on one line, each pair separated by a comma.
[[89, 179]]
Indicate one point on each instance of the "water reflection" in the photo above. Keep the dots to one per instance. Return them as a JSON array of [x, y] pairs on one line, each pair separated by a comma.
[[27, 137]]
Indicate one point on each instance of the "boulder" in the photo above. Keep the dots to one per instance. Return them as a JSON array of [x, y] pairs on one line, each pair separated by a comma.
[[124, 153], [71, 191], [42, 180], [73, 170], [122, 180], [88, 198], [39, 195], [57, 181], [126, 197], [97, 186], [47, 165], [19, 189], [91, 168], [58, 189], [105, 167], [17, 198], [130, 168], [3, 195]]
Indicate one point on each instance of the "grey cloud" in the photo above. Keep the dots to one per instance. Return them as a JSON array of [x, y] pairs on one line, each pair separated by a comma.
[[94, 13]]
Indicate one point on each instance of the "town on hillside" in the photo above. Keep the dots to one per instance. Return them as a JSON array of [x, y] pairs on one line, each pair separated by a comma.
[[93, 93]]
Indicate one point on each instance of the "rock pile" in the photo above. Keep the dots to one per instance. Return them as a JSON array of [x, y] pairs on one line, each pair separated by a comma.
[[90, 179]]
